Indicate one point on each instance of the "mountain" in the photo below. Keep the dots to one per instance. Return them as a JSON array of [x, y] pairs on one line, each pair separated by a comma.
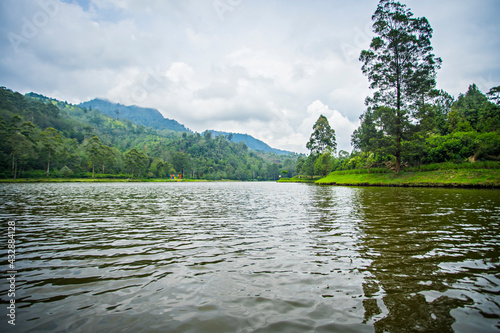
[[142, 116], [251, 142], [45, 137], [153, 118]]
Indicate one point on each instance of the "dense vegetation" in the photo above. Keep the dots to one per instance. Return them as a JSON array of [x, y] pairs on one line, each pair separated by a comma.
[[43, 137], [408, 123], [142, 116]]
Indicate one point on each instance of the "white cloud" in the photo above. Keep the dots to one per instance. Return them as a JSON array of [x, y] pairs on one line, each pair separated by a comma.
[[180, 72], [268, 69], [342, 125]]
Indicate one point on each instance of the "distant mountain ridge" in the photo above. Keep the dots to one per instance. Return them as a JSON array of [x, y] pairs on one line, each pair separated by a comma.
[[143, 116], [153, 118], [251, 142]]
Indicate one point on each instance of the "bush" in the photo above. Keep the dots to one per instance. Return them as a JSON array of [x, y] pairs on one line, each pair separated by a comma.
[[65, 171]]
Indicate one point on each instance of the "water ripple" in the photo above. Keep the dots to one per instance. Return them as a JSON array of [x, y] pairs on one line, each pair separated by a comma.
[[252, 257]]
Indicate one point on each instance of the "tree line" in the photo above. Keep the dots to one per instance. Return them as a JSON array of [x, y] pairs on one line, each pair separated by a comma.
[[43, 137], [408, 122]]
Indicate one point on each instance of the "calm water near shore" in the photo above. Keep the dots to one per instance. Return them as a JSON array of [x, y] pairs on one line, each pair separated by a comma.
[[250, 257]]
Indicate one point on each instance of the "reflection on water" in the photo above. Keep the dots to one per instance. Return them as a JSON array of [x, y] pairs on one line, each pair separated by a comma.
[[434, 259], [252, 257]]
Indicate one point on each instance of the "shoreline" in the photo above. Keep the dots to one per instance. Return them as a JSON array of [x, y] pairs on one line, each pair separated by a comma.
[[118, 180], [93, 180], [454, 178]]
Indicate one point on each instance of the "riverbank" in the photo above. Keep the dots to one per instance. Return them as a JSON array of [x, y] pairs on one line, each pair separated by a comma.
[[95, 180], [299, 179], [485, 178]]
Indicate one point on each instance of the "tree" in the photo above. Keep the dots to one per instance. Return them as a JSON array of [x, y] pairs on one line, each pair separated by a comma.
[[94, 148], [21, 150], [28, 130], [323, 164], [181, 162], [399, 64], [470, 105], [494, 95], [135, 160], [432, 117], [363, 137], [50, 143], [370, 159], [308, 165], [474, 112], [323, 137], [107, 156]]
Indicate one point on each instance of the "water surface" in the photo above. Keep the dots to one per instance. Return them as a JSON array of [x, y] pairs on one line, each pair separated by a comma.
[[251, 257]]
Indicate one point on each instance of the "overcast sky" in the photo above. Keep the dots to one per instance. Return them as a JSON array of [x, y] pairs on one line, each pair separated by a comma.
[[268, 68]]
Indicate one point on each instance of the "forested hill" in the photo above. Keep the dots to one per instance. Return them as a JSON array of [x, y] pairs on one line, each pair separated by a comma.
[[143, 116], [44, 137], [153, 118], [251, 142]]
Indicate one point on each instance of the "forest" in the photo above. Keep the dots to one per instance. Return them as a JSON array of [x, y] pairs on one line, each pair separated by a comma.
[[47, 138], [408, 123], [465, 130]]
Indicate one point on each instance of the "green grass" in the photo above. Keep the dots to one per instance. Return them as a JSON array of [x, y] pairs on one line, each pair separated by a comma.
[[299, 179], [437, 178], [452, 166]]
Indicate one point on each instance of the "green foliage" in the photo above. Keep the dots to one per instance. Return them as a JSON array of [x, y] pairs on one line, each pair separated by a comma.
[[494, 95], [400, 67], [135, 161], [323, 164], [460, 146], [308, 165], [45, 137], [448, 177], [441, 131], [323, 137], [408, 123]]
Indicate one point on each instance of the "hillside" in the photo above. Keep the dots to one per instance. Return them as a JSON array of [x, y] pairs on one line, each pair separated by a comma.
[[44, 137], [142, 116], [153, 118], [251, 142]]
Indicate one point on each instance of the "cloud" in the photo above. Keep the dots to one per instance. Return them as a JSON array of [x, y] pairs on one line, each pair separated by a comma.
[[342, 125], [180, 72], [268, 69]]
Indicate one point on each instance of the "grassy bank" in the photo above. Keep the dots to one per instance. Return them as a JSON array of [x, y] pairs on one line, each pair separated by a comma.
[[299, 179], [436, 178]]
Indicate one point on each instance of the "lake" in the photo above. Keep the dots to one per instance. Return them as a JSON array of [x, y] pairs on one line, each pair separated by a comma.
[[250, 257]]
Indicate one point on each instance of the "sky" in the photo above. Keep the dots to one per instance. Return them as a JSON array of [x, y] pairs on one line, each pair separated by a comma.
[[268, 68]]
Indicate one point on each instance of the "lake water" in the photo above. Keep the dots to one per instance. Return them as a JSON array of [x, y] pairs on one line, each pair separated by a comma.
[[250, 257]]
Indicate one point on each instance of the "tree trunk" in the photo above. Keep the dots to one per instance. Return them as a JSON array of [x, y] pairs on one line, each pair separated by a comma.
[[48, 165], [398, 113], [15, 171], [13, 165], [93, 170]]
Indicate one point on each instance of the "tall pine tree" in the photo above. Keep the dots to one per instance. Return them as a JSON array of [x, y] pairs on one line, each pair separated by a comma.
[[400, 66]]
